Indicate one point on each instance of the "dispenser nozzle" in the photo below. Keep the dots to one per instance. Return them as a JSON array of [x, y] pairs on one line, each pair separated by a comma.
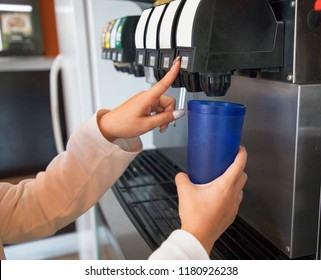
[[215, 84]]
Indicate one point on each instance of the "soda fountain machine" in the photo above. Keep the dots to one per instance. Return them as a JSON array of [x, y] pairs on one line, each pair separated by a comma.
[[261, 53]]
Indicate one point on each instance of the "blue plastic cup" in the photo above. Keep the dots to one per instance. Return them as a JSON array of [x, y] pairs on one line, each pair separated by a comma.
[[214, 136]]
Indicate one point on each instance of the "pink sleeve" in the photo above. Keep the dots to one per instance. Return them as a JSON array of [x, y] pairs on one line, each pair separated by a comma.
[[72, 183]]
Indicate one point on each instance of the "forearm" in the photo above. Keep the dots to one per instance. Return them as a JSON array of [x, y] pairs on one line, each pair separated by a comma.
[[72, 183]]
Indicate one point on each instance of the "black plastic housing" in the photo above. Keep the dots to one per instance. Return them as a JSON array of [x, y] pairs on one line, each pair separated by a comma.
[[232, 35]]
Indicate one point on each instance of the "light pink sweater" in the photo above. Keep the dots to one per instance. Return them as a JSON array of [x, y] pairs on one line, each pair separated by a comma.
[[72, 183]]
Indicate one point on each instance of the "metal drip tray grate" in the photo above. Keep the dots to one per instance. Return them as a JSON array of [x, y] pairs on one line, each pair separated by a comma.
[[148, 195], [147, 192]]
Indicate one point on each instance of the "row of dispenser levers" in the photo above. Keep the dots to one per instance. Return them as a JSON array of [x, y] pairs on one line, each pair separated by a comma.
[[206, 34]]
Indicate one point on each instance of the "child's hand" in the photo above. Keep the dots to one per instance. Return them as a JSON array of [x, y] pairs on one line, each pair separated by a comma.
[[143, 112]]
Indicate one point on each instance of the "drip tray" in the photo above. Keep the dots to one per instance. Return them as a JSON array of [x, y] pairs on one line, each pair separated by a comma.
[[147, 193]]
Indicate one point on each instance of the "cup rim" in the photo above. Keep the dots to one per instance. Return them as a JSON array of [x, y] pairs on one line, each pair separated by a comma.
[[216, 107]]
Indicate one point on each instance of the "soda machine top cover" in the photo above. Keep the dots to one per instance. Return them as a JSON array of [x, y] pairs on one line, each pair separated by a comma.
[[185, 23], [152, 29], [167, 25], [140, 29]]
